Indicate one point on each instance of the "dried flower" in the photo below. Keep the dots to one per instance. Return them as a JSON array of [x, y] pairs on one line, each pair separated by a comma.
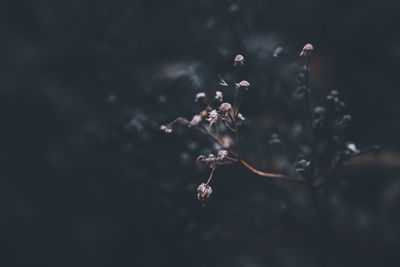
[[166, 129], [195, 120], [239, 61], [203, 192], [227, 141], [211, 160], [225, 107], [303, 167], [213, 117], [241, 117], [222, 154], [204, 113], [307, 49], [201, 159], [200, 95], [352, 148], [243, 84], [278, 51], [218, 96]]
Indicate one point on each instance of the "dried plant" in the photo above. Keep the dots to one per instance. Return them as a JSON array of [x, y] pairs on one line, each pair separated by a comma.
[[329, 149]]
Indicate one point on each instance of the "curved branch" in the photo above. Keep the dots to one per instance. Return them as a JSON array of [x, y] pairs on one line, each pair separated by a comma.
[[271, 175]]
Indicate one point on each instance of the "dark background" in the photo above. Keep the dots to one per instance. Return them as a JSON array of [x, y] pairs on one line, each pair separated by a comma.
[[88, 179]]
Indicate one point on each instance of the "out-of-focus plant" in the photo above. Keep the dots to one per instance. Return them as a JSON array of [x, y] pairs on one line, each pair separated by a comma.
[[220, 120]]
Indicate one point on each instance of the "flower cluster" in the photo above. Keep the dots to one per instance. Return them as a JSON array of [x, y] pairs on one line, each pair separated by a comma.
[[326, 125], [216, 115], [204, 191]]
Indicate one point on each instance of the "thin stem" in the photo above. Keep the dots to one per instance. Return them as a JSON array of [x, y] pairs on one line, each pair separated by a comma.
[[271, 175], [230, 116], [180, 120], [210, 135], [366, 151], [235, 102], [336, 163], [265, 174], [211, 175], [237, 143], [226, 124], [229, 127], [238, 106], [306, 96], [232, 159]]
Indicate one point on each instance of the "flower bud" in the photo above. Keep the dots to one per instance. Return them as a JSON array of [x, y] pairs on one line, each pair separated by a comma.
[[225, 107], [203, 113], [201, 159], [244, 84], [239, 61], [213, 117], [195, 120], [278, 51], [222, 154], [227, 141], [203, 192], [352, 148], [218, 96], [307, 49], [200, 95], [241, 117], [166, 129]]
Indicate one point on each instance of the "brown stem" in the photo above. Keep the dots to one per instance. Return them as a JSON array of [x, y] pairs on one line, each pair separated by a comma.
[[306, 97], [238, 106], [211, 175], [265, 174], [271, 175], [227, 125], [230, 116], [335, 164], [237, 140]]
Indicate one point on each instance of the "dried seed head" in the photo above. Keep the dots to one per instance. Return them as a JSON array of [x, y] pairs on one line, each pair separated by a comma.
[[218, 96], [240, 117], [204, 191], [211, 160], [307, 49], [239, 61], [166, 129], [243, 84], [227, 141], [225, 107], [278, 52], [195, 120], [222, 154], [204, 113], [200, 95], [213, 117], [352, 147], [201, 159]]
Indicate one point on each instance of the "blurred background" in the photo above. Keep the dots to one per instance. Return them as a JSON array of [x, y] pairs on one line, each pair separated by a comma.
[[88, 179]]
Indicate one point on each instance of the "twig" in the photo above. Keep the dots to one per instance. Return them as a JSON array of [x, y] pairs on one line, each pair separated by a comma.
[[306, 96], [272, 175], [211, 175]]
